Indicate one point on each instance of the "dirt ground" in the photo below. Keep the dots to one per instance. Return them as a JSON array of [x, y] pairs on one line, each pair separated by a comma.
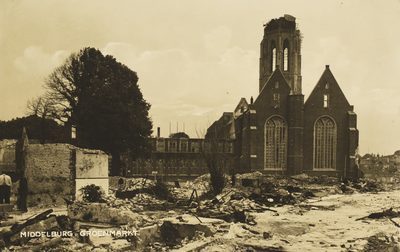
[[319, 224]]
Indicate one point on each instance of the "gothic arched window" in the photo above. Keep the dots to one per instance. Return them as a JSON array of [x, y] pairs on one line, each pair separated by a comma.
[[273, 56], [325, 137], [286, 55], [275, 135]]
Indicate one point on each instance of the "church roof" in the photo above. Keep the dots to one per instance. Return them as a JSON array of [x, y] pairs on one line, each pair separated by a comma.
[[270, 83], [242, 103], [327, 84], [241, 107]]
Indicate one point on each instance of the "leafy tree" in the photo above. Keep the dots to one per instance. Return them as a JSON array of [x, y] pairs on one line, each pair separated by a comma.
[[33, 124], [100, 98], [178, 135]]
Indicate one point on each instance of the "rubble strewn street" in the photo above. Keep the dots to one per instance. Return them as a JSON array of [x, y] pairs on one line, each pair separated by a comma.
[[258, 213]]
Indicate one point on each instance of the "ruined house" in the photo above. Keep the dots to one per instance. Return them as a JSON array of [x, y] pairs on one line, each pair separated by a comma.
[[54, 172], [58, 171]]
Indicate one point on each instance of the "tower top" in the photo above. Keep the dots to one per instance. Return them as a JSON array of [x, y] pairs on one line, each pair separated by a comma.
[[287, 22], [281, 50]]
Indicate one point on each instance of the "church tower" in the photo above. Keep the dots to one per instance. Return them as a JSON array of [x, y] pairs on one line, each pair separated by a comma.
[[280, 48]]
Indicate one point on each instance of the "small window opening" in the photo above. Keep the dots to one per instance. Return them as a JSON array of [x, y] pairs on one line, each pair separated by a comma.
[[276, 101], [273, 59], [73, 131], [286, 55], [326, 101], [273, 56], [285, 59]]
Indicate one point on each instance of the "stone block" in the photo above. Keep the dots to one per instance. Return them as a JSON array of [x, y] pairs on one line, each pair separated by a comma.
[[149, 234], [174, 230]]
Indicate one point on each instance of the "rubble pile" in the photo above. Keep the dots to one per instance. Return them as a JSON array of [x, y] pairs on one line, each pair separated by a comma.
[[102, 213], [139, 195], [263, 190], [129, 184], [255, 192], [362, 185], [381, 242], [140, 202], [252, 176], [178, 231], [319, 180], [231, 207], [203, 182]]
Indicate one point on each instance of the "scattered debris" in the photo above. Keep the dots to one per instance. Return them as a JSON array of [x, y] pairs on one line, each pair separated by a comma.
[[384, 214], [382, 242], [396, 221]]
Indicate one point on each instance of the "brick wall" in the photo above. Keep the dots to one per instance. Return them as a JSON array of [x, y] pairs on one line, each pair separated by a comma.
[[51, 171], [48, 173]]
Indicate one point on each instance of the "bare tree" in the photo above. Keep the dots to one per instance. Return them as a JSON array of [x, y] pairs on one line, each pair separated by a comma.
[[218, 157], [43, 108]]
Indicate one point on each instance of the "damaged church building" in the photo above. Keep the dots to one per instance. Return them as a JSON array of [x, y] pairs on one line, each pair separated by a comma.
[[278, 132]]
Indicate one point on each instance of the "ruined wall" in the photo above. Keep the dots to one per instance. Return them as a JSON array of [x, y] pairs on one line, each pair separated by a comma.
[[58, 171], [91, 168], [48, 173]]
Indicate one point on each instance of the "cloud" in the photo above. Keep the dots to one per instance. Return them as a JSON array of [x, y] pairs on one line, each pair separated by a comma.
[[331, 52], [35, 61], [179, 85], [181, 109], [217, 40], [123, 52], [384, 101]]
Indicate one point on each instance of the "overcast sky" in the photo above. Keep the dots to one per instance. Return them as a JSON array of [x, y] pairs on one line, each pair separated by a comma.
[[196, 58]]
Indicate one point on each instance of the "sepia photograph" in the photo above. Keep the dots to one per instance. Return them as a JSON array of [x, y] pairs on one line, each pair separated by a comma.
[[199, 125]]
